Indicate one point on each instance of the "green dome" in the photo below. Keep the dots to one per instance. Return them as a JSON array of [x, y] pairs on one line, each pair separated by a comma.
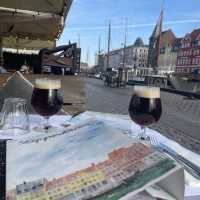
[[139, 42]]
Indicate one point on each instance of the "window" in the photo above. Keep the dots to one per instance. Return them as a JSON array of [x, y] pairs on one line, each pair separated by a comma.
[[162, 50], [104, 182], [83, 190], [94, 187]]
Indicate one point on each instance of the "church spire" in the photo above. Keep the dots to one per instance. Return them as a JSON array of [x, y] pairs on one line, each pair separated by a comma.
[[154, 42], [158, 28]]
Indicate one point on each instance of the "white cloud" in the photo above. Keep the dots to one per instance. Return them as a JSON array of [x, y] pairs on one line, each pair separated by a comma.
[[94, 28]]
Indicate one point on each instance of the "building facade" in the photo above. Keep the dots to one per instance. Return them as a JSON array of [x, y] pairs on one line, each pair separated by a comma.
[[168, 52], [133, 56], [188, 57], [140, 54]]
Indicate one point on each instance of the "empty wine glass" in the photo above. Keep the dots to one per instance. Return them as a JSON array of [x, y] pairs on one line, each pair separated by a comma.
[[14, 118]]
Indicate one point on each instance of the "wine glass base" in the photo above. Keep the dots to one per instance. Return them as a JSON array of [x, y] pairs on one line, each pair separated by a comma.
[[50, 130]]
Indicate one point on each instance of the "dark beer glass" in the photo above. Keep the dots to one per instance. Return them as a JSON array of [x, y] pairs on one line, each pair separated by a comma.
[[145, 107], [47, 98]]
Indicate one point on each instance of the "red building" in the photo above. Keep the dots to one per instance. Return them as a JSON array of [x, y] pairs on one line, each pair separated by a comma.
[[188, 57]]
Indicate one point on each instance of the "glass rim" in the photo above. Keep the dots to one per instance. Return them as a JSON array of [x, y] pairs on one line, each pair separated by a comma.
[[48, 79], [15, 99], [146, 87], [147, 92], [47, 83]]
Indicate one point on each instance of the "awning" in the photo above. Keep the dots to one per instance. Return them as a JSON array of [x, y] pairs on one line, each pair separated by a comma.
[[25, 44], [32, 20], [48, 6]]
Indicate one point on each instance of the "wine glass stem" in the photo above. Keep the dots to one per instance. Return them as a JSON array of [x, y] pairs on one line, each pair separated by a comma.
[[46, 124], [143, 135]]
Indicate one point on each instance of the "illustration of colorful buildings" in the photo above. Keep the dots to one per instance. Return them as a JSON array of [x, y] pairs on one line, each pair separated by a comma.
[[84, 183], [33, 190], [94, 180]]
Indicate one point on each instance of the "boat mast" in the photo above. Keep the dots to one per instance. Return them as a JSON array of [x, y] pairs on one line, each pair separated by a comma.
[[79, 41], [99, 52], [124, 50], [109, 36], [99, 45], [87, 60]]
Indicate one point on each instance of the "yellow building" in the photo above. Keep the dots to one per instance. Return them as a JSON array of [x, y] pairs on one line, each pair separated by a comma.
[[74, 184], [86, 179], [36, 195]]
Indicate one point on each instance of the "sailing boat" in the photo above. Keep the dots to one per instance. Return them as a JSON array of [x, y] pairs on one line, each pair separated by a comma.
[[188, 82]]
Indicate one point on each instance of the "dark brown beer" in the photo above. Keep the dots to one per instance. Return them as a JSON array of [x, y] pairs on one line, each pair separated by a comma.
[[145, 106], [47, 97]]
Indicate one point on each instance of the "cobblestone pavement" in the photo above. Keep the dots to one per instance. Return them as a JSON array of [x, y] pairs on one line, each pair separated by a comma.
[[180, 120]]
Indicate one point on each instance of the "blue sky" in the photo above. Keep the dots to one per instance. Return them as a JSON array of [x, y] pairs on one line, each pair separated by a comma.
[[89, 19]]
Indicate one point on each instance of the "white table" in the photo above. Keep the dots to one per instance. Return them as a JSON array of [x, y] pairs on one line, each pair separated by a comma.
[[122, 122]]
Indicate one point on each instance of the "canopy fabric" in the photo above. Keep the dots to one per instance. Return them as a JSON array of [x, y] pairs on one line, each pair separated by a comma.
[[43, 19], [23, 26], [49, 6]]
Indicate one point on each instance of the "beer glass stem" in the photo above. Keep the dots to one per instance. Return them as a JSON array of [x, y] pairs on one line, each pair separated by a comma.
[[46, 124]]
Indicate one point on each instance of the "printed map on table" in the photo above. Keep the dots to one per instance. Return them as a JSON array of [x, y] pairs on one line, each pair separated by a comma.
[[95, 162]]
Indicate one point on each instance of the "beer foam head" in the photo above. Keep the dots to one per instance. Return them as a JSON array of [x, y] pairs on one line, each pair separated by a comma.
[[45, 83], [147, 92]]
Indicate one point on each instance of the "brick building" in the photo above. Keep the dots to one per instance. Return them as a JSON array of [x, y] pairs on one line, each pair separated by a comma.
[[188, 57]]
